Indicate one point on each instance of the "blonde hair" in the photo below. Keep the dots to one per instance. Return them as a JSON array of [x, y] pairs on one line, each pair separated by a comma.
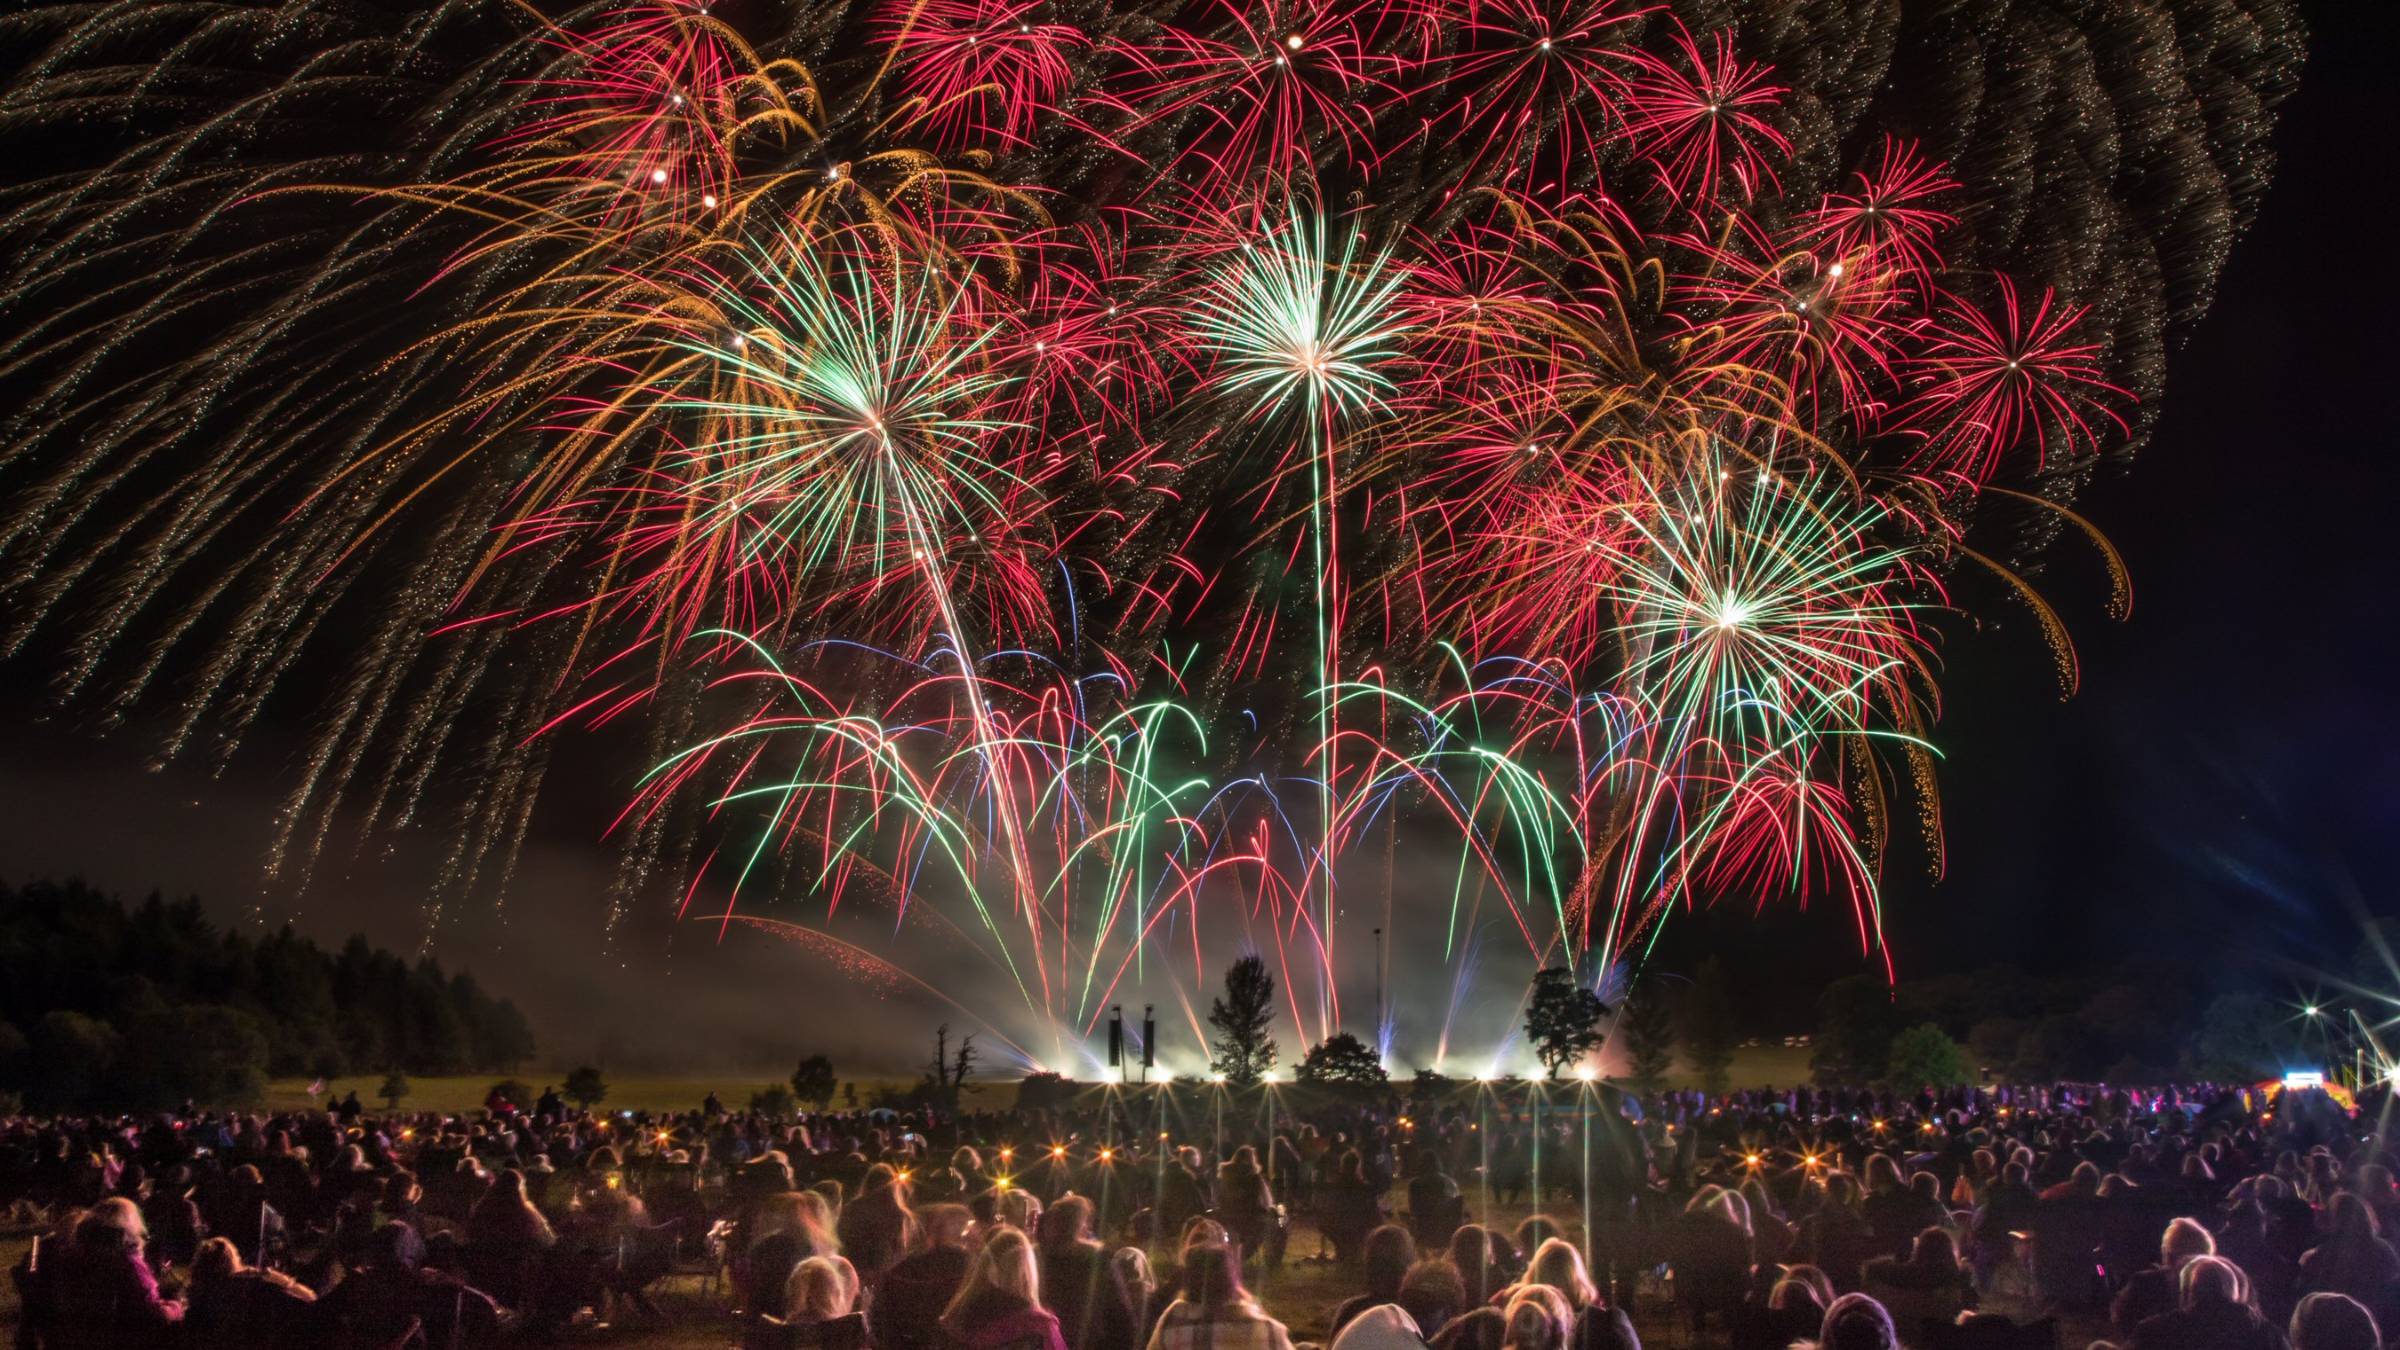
[[1019, 1209], [819, 1289], [1004, 1265], [113, 1224], [1538, 1318], [2183, 1240], [1557, 1265]]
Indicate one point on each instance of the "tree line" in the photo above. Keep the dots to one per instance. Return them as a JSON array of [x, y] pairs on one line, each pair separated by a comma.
[[103, 1005]]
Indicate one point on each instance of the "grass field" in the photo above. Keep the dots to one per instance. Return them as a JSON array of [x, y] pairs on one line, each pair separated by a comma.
[[1303, 1293], [1753, 1066]]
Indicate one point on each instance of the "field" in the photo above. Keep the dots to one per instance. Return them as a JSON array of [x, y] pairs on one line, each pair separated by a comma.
[[1303, 1293], [1753, 1066]]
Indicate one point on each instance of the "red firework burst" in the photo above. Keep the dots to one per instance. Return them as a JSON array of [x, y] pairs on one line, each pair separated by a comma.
[[1538, 84], [640, 115], [1988, 383], [1258, 89], [982, 71], [1891, 213], [1700, 116], [1806, 318]]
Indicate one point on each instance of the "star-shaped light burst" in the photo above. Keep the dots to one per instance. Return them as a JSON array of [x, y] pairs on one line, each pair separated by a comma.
[[1297, 324]]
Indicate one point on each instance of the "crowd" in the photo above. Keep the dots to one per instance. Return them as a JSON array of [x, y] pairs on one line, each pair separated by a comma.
[[2186, 1219]]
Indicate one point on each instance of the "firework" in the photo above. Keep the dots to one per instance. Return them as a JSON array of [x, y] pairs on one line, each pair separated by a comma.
[[1089, 479]]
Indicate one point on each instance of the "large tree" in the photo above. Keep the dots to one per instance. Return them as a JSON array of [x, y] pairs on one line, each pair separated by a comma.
[[1710, 1029], [1562, 1018], [1244, 1051], [585, 1087], [814, 1082], [1342, 1058], [1925, 1056], [1855, 1026], [1648, 1024]]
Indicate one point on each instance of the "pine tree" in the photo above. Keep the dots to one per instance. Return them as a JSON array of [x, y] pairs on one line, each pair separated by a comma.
[[1710, 1030], [1648, 1024], [1244, 1052]]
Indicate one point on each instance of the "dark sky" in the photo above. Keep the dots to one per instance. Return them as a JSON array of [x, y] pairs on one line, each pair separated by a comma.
[[2223, 786], [2220, 789]]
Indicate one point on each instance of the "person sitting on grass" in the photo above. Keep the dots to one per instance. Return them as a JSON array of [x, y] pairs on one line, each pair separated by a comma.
[[1214, 1311], [231, 1306], [1432, 1294], [1387, 1253], [2334, 1322], [908, 1308], [1537, 1318], [1854, 1322], [2154, 1290], [2214, 1312], [1000, 1301], [1593, 1324]]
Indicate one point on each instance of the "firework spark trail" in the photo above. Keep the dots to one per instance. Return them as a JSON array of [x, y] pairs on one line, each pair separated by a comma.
[[1302, 332], [708, 372]]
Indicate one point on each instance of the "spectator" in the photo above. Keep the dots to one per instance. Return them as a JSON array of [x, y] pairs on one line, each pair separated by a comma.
[[378, 1304], [1476, 1329], [1472, 1256], [908, 1307], [1141, 1285], [1094, 1312], [792, 1227], [1388, 1252], [1386, 1326], [999, 1303], [878, 1228], [1712, 1255], [1214, 1311], [240, 1211], [823, 1308], [1244, 1202], [1592, 1323], [1432, 1294], [2213, 1312], [1793, 1311], [1537, 1319], [2334, 1322], [2155, 1290], [508, 1242], [1932, 1285], [2353, 1259], [1435, 1207], [102, 1294], [1350, 1208], [1855, 1322], [231, 1306]]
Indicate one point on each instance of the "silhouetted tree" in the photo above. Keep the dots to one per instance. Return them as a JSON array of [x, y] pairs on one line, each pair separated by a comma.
[[1925, 1056], [1648, 1023], [585, 1087], [1244, 1051], [1341, 1058], [1562, 1018], [813, 1082], [1710, 1031]]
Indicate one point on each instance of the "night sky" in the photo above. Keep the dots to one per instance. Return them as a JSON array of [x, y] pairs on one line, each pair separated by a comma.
[[2220, 790]]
